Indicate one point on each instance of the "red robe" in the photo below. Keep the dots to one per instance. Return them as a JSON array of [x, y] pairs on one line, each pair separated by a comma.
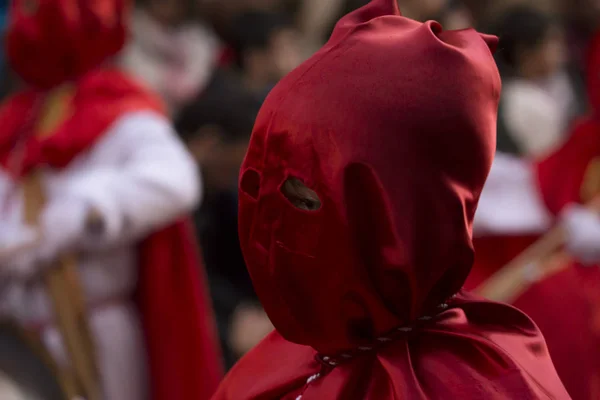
[[172, 295]]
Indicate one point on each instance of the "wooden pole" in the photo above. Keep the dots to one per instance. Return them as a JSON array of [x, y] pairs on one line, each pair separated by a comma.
[[540, 260], [64, 289]]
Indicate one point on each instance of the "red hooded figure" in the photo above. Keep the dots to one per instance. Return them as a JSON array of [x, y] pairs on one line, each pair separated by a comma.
[[567, 175], [102, 142], [392, 125], [571, 175]]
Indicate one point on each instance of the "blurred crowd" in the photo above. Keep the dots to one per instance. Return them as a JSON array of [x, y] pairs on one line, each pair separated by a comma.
[[214, 62]]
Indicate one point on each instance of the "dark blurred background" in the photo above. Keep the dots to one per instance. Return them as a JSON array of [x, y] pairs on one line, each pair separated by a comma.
[[214, 61]]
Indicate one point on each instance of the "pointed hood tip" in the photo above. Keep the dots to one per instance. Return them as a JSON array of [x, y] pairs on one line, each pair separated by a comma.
[[391, 7], [491, 41], [383, 7], [373, 9]]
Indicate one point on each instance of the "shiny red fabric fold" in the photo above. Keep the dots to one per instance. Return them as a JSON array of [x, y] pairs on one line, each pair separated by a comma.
[[392, 124], [177, 316]]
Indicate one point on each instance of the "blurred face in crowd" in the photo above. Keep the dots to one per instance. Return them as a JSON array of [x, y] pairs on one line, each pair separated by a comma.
[[220, 159], [421, 9], [458, 18], [266, 66], [585, 13], [286, 52], [547, 58], [169, 12], [220, 8], [228, 9]]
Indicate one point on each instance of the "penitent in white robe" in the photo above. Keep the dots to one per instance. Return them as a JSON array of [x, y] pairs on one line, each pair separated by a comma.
[[140, 177]]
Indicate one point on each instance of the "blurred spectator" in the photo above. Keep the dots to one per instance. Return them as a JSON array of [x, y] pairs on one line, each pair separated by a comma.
[[222, 14], [170, 50], [3, 19], [216, 128], [582, 19], [7, 81], [267, 46], [422, 10], [317, 17], [538, 99], [455, 15]]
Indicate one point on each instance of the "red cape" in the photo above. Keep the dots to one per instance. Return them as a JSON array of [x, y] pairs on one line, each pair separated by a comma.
[[172, 295]]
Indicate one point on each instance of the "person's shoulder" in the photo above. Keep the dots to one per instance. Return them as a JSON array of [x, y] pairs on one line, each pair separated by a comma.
[[272, 367]]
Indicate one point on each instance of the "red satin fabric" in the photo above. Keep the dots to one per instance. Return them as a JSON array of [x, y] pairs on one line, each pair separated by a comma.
[[46, 53], [392, 123], [172, 295]]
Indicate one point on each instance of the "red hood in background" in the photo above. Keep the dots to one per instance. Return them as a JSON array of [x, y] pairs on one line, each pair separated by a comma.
[[45, 53]]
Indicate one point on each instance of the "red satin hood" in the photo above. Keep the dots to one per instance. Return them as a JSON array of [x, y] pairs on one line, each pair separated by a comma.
[[393, 124], [49, 42], [593, 73]]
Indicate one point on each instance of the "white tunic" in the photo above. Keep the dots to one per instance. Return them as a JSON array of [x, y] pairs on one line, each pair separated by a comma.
[[537, 114], [511, 203], [140, 177]]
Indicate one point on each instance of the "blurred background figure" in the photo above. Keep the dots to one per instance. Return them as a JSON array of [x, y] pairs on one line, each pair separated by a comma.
[[267, 47], [456, 15], [98, 266], [6, 78], [538, 99], [545, 169], [216, 128], [171, 49]]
